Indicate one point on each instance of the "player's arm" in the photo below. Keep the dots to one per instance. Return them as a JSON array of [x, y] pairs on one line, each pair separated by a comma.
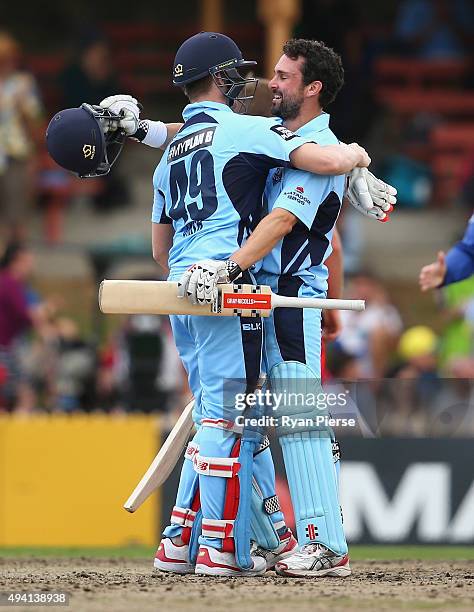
[[199, 282], [268, 233], [162, 228], [162, 239], [155, 134], [299, 201], [329, 159], [457, 265]]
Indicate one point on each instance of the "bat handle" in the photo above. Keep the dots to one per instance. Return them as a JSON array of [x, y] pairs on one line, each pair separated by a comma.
[[283, 301]]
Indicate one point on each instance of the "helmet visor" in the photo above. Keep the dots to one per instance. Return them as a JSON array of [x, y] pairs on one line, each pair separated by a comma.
[[114, 138], [232, 80]]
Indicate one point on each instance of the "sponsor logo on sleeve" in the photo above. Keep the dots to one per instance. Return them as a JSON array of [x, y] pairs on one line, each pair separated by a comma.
[[297, 195], [284, 132]]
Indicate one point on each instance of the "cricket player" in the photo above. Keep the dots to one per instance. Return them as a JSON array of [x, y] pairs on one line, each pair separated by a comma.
[[209, 186], [294, 239], [452, 267], [309, 276]]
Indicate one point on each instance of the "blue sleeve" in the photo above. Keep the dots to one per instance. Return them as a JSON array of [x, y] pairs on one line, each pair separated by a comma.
[[460, 259], [302, 195], [158, 214], [268, 139]]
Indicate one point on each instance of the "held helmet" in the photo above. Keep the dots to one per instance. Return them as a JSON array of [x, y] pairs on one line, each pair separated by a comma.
[[85, 140], [211, 53]]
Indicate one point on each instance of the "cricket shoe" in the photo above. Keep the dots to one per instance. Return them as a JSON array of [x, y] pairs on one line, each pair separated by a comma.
[[213, 562], [171, 557], [314, 560], [287, 547]]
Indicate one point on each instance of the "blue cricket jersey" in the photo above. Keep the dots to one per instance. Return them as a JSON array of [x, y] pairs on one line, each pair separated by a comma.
[[460, 259], [210, 181], [316, 201]]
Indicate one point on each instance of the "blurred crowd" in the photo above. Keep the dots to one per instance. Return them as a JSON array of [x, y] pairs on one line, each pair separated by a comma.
[[412, 380], [47, 363], [408, 97]]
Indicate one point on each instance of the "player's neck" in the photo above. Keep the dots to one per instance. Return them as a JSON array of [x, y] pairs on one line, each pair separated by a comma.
[[304, 116], [210, 96]]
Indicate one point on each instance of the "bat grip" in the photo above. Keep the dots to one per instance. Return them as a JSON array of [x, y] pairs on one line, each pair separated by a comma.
[[279, 301]]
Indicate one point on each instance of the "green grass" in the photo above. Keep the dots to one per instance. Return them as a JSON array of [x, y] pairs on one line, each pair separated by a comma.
[[389, 553]]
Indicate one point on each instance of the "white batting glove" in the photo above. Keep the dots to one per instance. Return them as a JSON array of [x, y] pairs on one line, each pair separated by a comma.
[[199, 282], [370, 195], [127, 107]]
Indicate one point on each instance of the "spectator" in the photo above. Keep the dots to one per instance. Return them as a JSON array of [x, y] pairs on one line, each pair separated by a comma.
[[435, 29], [20, 129], [358, 401], [18, 314], [341, 364], [417, 385], [373, 333], [456, 302], [90, 78], [75, 369], [346, 35], [143, 371]]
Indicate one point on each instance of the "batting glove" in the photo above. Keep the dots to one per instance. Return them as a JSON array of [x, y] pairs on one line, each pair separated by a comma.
[[370, 195], [199, 282], [128, 108]]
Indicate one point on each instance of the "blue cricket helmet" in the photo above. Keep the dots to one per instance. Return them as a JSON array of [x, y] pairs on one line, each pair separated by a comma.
[[85, 140], [217, 55]]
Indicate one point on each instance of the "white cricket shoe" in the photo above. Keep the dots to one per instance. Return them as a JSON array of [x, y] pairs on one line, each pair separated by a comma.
[[171, 557], [314, 560], [287, 547], [213, 562]]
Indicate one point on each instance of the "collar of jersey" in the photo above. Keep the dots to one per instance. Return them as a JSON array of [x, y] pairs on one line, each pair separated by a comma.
[[199, 107], [318, 124]]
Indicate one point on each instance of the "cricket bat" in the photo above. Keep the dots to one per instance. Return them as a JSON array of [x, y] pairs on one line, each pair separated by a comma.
[[164, 462], [160, 297]]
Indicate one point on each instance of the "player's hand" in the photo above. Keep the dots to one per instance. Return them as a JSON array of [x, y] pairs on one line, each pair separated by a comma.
[[199, 282], [332, 324], [364, 159], [127, 107], [432, 275], [370, 195]]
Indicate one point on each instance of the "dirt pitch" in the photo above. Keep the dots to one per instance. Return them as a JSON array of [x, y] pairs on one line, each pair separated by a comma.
[[123, 585]]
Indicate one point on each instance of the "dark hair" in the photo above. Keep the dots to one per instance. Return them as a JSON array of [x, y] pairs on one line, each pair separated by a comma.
[[321, 64], [11, 252], [197, 88]]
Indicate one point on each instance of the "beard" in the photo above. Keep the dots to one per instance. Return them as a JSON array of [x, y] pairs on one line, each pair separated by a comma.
[[288, 107]]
